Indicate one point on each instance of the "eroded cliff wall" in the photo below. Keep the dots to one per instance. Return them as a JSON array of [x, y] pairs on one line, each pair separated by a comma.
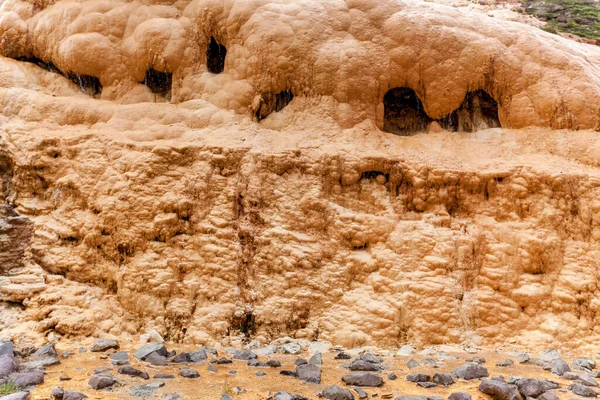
[[178, 210]]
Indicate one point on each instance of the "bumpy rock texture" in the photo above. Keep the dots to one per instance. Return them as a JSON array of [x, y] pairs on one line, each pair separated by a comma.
[[172, 208]]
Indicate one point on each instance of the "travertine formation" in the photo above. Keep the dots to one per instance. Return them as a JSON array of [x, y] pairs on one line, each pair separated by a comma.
[[265, 199]]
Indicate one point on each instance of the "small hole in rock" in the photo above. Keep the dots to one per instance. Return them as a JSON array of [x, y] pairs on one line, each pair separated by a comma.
[[273, 102], [215, 56], [159, 82], [404, 114]]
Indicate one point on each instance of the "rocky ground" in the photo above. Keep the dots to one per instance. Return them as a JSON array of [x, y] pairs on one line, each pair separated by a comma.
[[289, 369]]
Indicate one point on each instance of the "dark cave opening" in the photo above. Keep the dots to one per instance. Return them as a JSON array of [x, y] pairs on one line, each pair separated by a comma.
[[158, 82], [404, 114], [87, 83], [273, 102], [215, 56], [478, 111]]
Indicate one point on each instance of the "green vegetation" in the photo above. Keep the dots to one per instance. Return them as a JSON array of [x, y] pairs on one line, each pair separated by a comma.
[[579, 17], [8, 388]]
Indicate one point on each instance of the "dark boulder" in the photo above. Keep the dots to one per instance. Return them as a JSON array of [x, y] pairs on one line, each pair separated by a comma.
[[27, 378], [443, 379], [143, 352], [498, 390], [129, 370], [334, 392], [189, 373], [98, 382], [418, 378], [309, 373], [103, 344], [470, 371], [366, 379]]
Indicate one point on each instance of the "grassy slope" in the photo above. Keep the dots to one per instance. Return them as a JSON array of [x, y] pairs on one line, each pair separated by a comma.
[[579, 17]]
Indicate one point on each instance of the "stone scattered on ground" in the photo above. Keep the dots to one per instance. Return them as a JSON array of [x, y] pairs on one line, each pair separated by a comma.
[[273, 363], [129, 370], [460, 396], [418, 378], [499, 390], [560, 366], [365, 379], [73, 395], [260, 374], [412, 364], [309, 373], [470, 371], [171, 396], [505, 363], [25, 379], [156, 359], [443, 379], [291, 348], [342, 356], [104, 344], [582, 390], [223, 360], [198, 356], [392, 376], [143, 352], [335, 392], [47, 351], [145, 391], [98, 382], [22, 395], [317, 359], [189, 373]]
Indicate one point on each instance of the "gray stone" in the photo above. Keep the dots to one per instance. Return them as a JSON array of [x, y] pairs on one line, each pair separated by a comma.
[[198, 356], [547, 365], [180, 358], [291, 348], [460, 396], [582, 390], [342, 356], [534, 387], [317, 359], [309, 373], [260, 374], [406, 351], [73, 395], [128, 370], [37, 364], [256, 363], [470, 371], [300, 361], [119, 356], [7, 349], [189, 373], [418, 378], [512, 380], [362, 379], [477, 360], [392, 376], [102, 370], [58, 393], [16, 396], [587, 380], [281, 395], [498, 390], [266, 351], [505, 363], [156, 359], [98, 382], [581, 364], [223, 360], [549, 395], [522, 358], [559, 367], [412, 364], [431, 362], [8, 365], [103, 344], [211, 368], [549, 355], [273, 363], [288, 373], [370, 357], [225, 396], [443, 379], [47, 351], [27, 378], [362, 365], [143, 352], [234, 373], [361, 393], [147, 390], [334, 392], [426, 385]]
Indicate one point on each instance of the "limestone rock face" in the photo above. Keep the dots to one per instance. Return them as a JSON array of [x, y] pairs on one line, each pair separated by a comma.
[[210, 167]]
